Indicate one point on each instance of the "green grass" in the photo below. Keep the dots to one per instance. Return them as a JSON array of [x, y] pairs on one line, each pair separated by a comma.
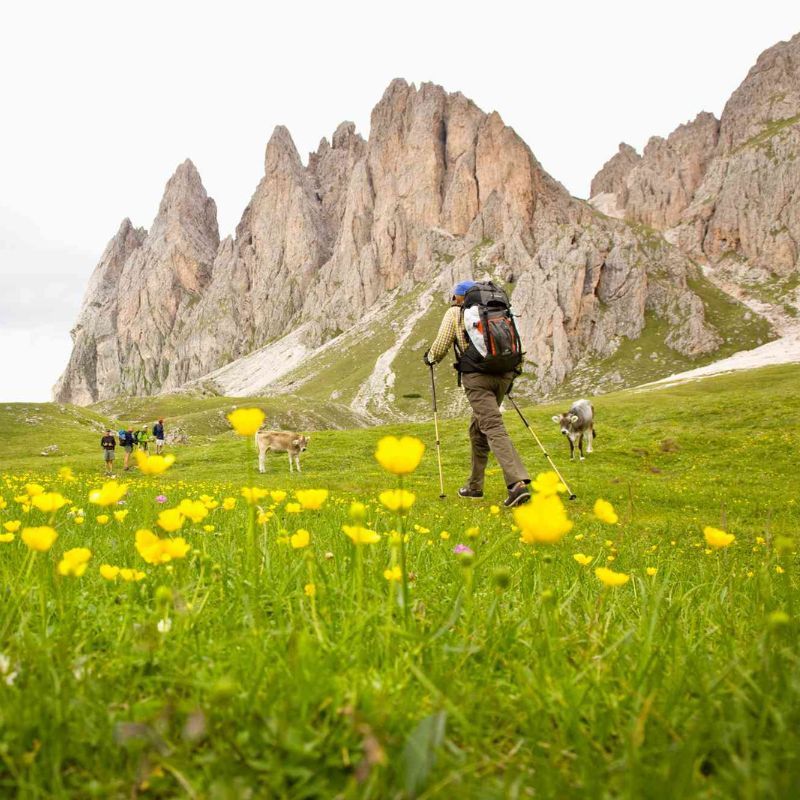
[[515, 675]]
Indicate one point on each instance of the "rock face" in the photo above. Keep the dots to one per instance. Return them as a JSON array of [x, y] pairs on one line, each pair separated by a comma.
[[440, 191], [725, 192]]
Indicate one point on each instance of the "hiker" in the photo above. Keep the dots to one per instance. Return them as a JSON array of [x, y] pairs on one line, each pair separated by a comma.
[[158, 435], [126, 439], [487, 361], [144, 438], [109, 444]]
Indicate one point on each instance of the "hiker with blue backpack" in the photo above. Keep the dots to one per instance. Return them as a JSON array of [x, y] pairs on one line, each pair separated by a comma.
[[480, 327], [127, 440]]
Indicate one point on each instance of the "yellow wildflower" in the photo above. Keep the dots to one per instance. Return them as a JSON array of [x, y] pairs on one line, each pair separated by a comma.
[[102, 519], [357, 510], [582, 559], [543, 519], [397, 499], [494, 509], [6, 537], [444, 535], [300, 539], [310, 589], [209, 528], [246, 421], [195, 510], [120, 515], [611, 578], [548, 483], [155, 464], [779, 569], [170, 520], [110, 493], [74, 562], [651, 571], [131, 574], [604, 511], [66, 474], [716, 538], [229, 503], [34, 489], [292, 508], [252, 494], [360, 535], [49, 502], [311, 499], [393, 574], [80, 520], [108, 572], [277, 495], [13, 526], [472, 533], [159, 551], [399, 456]]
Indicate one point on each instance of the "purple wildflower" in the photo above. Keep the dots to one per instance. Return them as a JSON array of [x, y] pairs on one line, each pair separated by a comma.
[[462, 549], [162, 498]]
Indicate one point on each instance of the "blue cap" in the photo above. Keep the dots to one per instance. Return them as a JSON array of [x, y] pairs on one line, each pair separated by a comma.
[[461, 288]]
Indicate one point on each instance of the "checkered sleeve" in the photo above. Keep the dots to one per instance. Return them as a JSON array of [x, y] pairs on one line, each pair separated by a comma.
[[446, 336]]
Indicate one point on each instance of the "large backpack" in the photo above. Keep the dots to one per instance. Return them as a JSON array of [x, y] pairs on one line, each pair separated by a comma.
[[494, 343]]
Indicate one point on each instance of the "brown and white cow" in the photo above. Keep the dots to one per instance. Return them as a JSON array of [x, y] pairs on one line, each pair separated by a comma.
[[281, 442], [577, 423]]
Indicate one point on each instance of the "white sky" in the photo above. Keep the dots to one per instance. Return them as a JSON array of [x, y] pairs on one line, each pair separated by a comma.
[[101, 101]]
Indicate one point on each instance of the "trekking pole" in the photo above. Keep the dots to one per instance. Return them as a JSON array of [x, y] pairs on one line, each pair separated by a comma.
[[572, 494], [436, 428]]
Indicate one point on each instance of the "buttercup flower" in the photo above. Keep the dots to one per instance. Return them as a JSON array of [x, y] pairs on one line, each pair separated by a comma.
[[108, 572], [399, 456], [716, 538], [102, 519], [397, 499], [131, 574], [310, 589], [48, 502], [358, 511], [277, 495], [110, 493], [33, 489], [6, 537], [611, 578], [360, 535], [300, 539], [74, 562], [548, 483], [651, 571], [293, 508], [604, 511], [40, 539], [229, 503], [159, 551], [250, 493], [543, 519], [195, 510], [120, 515], [393, 574], [246, 421], [155, 464], [13, 526], [170, 520], [311, 499], [66, 474], [582, 559]]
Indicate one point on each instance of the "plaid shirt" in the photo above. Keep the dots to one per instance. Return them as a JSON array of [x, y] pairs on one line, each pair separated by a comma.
[[450, 331]]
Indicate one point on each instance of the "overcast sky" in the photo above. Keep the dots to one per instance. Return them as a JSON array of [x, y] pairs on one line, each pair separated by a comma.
[[101, 101]]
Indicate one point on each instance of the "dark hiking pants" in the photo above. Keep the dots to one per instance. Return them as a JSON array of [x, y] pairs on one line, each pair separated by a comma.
[[487, 431]]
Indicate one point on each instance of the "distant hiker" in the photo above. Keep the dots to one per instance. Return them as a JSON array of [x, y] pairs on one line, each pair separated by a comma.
[[144, 439], [126, 439], [480, 328], [158, 435], [109, 444]]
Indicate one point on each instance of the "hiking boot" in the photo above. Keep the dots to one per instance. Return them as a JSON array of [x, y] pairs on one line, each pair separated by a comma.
[[517, 495], [472, 494]]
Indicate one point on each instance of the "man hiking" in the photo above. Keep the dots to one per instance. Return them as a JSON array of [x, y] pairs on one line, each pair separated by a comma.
[[109, 444], [128, 441], [158, 435], [487, 360], [144, 438]]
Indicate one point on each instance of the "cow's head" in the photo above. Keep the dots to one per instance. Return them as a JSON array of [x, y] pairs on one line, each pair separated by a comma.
[[301, 442], [565, 422]]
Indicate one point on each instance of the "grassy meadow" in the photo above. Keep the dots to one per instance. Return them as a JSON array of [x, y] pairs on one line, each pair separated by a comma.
[[255, 661]]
